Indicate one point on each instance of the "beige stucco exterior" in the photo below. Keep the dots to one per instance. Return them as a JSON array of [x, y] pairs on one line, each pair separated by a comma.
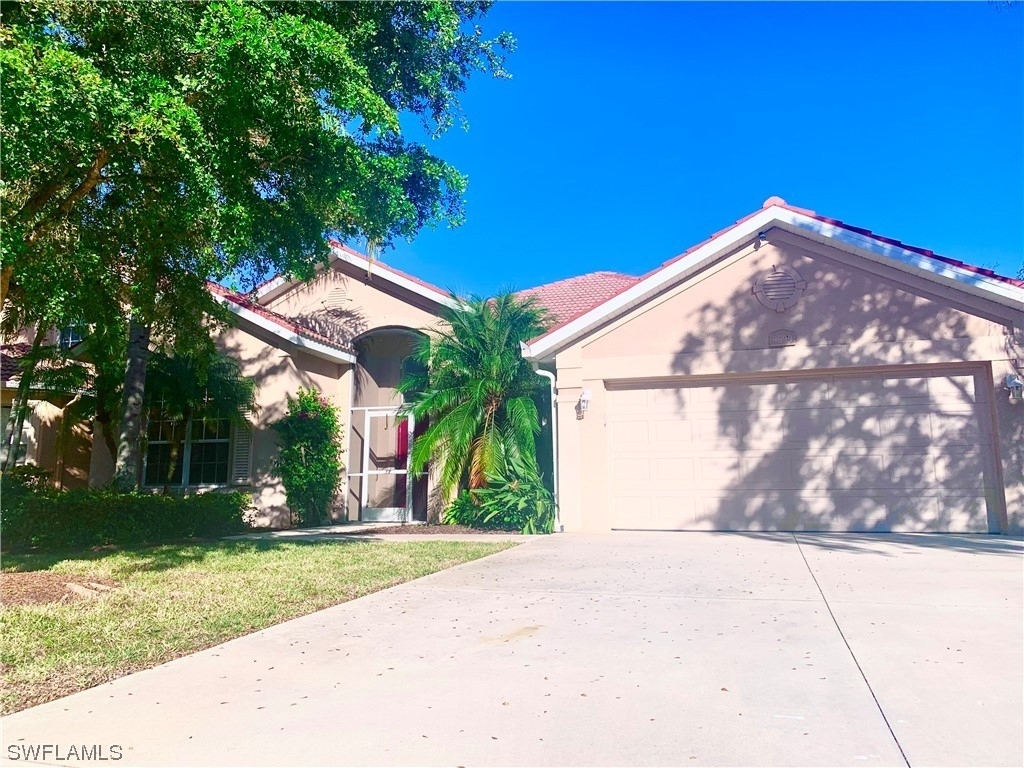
[[350, 306], [872, 398], [711, 334]]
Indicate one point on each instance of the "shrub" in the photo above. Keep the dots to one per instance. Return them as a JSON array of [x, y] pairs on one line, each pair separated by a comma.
[[30, 476], [463, 511], [310, 458], [49, 520], [514, 501]]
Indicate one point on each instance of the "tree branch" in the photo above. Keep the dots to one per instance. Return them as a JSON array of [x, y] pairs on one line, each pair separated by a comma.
[[92, 178]]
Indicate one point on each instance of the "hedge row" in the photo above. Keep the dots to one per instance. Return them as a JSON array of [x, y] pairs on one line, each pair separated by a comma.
[[48, 520]]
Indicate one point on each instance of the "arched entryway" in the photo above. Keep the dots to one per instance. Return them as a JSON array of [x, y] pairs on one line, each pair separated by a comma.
[[380, 487]]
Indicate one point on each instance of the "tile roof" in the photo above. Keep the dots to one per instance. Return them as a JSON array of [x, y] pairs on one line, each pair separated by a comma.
[[387, 268], [564, 319], [287, 323], [10, 357], [899, 244], [570, 298], [778, 201]]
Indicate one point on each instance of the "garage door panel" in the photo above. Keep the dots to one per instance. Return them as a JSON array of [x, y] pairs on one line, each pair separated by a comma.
[[912, 471], [966, 514], [810, 426], [963, 470], [842, 452], [672, 433], [953, 390], [957, 427], [624, 433], [908, 426], [907, 390]]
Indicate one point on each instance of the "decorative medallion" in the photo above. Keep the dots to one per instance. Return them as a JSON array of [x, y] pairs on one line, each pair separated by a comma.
[[780, 288]]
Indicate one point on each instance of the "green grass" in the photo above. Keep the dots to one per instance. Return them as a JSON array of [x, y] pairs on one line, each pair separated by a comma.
[[178, 599]]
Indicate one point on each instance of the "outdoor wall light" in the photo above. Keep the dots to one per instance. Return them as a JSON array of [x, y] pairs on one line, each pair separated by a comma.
[[1016, 388], [585, 401]]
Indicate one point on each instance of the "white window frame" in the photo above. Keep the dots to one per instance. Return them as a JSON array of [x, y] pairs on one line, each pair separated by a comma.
[[185, 459]]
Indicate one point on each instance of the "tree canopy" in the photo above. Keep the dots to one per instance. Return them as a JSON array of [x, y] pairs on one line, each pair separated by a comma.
[[149, 147], [229, 135]]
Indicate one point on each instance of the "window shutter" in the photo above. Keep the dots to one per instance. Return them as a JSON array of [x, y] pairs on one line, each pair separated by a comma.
[[241, 466]]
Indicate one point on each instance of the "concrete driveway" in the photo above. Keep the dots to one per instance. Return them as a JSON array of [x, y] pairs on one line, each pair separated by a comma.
[[625, 649]]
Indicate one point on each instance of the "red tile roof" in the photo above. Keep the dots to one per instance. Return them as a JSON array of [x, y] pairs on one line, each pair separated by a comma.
[[564, 319], [899, 244], [567, 299], [10, 357], [287, 323]]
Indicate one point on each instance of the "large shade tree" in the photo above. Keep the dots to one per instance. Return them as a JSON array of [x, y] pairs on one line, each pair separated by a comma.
[[476, 391], [172, 143]]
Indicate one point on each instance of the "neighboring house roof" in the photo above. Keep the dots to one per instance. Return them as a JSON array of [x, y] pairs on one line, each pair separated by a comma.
[[776, 213], [570, 298], [373, 269], [10, 361], [286, 328]]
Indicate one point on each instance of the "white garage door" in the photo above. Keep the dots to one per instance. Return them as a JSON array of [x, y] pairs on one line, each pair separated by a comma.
[[846, 453]]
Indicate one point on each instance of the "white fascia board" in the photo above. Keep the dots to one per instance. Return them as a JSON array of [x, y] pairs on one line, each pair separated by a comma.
[[273, 285], [314, 348], [365, 264], [640, 292], [799, 224], [394, 278], [901, 258]]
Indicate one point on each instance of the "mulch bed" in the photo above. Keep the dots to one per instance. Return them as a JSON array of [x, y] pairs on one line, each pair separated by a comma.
[[427, 530], [35, 587]]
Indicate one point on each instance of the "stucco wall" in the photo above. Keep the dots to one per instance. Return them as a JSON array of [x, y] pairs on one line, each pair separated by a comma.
[[280, 373], [344, 303], [851, 315]]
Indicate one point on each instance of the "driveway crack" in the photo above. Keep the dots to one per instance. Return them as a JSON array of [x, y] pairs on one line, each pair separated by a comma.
[[853, 656]]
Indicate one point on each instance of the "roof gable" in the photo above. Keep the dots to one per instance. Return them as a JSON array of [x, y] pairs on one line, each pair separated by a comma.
[[776, 213], [282, 327], [277, 286]]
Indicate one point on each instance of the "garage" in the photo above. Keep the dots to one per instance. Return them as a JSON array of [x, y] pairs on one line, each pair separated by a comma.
[[789, 373], [860, 451]]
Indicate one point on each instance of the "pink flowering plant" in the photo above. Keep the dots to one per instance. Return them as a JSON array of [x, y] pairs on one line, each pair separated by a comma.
[[309, 461]]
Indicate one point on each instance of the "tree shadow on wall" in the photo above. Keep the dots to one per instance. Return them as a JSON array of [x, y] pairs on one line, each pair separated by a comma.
[[879, 450]]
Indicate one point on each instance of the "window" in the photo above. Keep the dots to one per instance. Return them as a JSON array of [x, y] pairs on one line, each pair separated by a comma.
[[71, 335], [199, 451]]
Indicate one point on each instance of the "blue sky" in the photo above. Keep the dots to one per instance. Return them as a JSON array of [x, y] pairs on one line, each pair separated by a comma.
[[631, 131]]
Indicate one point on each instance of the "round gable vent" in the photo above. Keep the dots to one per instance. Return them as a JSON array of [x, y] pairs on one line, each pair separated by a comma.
[[779, 289]]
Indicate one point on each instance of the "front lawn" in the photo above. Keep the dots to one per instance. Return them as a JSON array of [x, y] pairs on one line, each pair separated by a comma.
[[135, 608]]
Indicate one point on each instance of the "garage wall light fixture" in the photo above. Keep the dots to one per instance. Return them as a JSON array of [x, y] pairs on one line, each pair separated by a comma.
[[1016, 388], [584, 404]]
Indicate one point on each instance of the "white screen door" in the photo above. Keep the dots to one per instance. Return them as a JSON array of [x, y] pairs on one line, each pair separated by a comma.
[[385, 487]]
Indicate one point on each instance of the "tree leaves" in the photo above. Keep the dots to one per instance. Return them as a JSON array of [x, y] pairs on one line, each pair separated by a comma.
[[477, 392]]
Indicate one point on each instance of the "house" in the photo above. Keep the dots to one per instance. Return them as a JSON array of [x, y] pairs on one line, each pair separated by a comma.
[[346, 333], [789, 373]]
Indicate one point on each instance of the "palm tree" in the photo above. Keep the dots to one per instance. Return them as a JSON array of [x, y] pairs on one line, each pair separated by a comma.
[[204, 385], [476, 391]]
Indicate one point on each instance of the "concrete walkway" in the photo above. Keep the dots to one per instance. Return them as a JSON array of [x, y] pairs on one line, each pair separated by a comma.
[[623, 649], [364, 532]]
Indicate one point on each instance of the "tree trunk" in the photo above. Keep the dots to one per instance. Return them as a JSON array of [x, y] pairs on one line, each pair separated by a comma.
[[19, 409], [5, 282], [172, 462], [129, 444]]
